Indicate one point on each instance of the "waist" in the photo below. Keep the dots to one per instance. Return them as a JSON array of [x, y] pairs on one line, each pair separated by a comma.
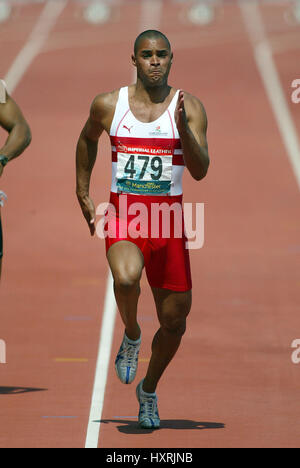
[[148, 200]]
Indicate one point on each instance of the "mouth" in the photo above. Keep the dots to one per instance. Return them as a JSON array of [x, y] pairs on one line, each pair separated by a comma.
[[155, 75]]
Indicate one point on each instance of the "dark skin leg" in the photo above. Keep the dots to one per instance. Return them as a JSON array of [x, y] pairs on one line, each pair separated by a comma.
[[172, 309], [126, 262]]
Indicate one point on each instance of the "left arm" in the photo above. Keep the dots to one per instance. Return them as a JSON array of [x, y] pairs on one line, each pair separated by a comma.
[[191, 121], [19, 134]]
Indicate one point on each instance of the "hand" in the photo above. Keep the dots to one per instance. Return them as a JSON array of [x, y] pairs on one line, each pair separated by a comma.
[[88, 210], [180, 114]]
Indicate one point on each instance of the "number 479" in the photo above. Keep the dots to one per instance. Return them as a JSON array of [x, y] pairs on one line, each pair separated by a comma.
[[156, 166]]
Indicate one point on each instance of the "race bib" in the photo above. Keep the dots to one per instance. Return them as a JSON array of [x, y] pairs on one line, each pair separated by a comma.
[[144, 170]]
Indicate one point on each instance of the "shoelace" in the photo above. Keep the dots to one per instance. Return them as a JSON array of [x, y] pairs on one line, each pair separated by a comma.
[[130, 351], [148, 406]]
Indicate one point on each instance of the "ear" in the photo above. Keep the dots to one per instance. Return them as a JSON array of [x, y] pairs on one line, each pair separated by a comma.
[[133, 59]]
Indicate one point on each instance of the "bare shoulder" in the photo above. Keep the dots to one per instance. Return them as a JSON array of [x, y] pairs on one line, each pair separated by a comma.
[[104, 105], [10, 113], [194, 105]]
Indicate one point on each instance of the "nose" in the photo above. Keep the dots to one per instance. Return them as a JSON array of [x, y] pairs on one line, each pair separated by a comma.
[[155, 61]]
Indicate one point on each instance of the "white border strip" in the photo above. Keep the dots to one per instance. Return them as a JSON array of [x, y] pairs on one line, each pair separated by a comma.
[[150, 19], [35, 42], [273, 87], [103, 360]]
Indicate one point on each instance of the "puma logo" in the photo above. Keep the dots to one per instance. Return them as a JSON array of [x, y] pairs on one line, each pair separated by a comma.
[[129, 129]]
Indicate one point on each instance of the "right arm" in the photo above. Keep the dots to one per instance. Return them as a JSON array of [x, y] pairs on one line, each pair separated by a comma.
[[86, 153], [19, 134]]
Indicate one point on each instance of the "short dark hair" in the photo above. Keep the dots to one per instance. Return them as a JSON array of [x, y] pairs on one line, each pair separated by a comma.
[[150, 33]]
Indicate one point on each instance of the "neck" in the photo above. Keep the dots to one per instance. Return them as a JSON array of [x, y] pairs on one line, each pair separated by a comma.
[[156, 94]]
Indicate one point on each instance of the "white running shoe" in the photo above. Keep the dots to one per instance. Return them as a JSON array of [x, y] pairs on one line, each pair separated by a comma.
[[126, 363], [3, 198], [148, 415]]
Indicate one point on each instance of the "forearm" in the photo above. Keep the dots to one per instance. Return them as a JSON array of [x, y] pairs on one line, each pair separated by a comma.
[[196, 157], [18, 140], [86, 154]]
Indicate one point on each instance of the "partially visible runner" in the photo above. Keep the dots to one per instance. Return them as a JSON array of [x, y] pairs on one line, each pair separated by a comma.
[[19, 137], [155, 131]]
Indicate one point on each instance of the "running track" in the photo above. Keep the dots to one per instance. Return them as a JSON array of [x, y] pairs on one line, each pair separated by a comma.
[[233, 383]]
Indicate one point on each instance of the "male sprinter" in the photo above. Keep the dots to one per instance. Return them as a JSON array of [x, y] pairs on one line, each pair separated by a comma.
[[19, 137], [155, 131]]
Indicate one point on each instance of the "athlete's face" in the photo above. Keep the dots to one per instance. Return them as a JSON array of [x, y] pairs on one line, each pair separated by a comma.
[[153, 61]]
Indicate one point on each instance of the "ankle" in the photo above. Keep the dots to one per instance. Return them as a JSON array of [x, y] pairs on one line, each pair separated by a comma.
[[133, 334], [148, 387]]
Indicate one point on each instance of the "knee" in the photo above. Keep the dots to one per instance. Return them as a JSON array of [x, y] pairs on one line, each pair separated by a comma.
[[173, 315], [127, 281], [174, 324]]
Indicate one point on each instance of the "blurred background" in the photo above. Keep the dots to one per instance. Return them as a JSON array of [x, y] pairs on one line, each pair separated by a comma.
[[241, 59]]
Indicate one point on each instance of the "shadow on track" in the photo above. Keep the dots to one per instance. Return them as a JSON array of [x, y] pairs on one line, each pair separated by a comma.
[[17, 390], [132, 427]]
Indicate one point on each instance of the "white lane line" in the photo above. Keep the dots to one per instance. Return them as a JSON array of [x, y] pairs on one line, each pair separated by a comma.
[[5, 11], [150, 19], [35, 42], [103, 360], [273, 87]]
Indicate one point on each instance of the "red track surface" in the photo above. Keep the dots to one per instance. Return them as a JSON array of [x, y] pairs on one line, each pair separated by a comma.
[[232, 383]]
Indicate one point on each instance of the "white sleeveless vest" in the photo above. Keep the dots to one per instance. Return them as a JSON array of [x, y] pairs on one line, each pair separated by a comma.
[[147, 158], [3, 91]]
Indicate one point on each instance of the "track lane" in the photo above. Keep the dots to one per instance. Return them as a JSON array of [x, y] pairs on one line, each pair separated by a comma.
[[245, 311], [53, 284], [15, 31], [243, 387]]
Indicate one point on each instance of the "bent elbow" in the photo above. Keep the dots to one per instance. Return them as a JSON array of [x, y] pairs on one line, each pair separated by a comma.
[[24, 134], [198, 178], [202, 175], [28, 138]]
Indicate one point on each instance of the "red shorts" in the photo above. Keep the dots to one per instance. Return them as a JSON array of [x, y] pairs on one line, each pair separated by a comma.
[[160, 235]]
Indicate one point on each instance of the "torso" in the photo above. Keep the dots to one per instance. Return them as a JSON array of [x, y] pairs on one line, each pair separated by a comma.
[[147, 157]]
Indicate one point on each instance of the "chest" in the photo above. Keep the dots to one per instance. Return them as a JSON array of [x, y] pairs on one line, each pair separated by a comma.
[[148, 113]]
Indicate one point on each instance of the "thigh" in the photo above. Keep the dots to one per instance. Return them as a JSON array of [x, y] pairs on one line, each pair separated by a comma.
[[125, 260], [169, 268]]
